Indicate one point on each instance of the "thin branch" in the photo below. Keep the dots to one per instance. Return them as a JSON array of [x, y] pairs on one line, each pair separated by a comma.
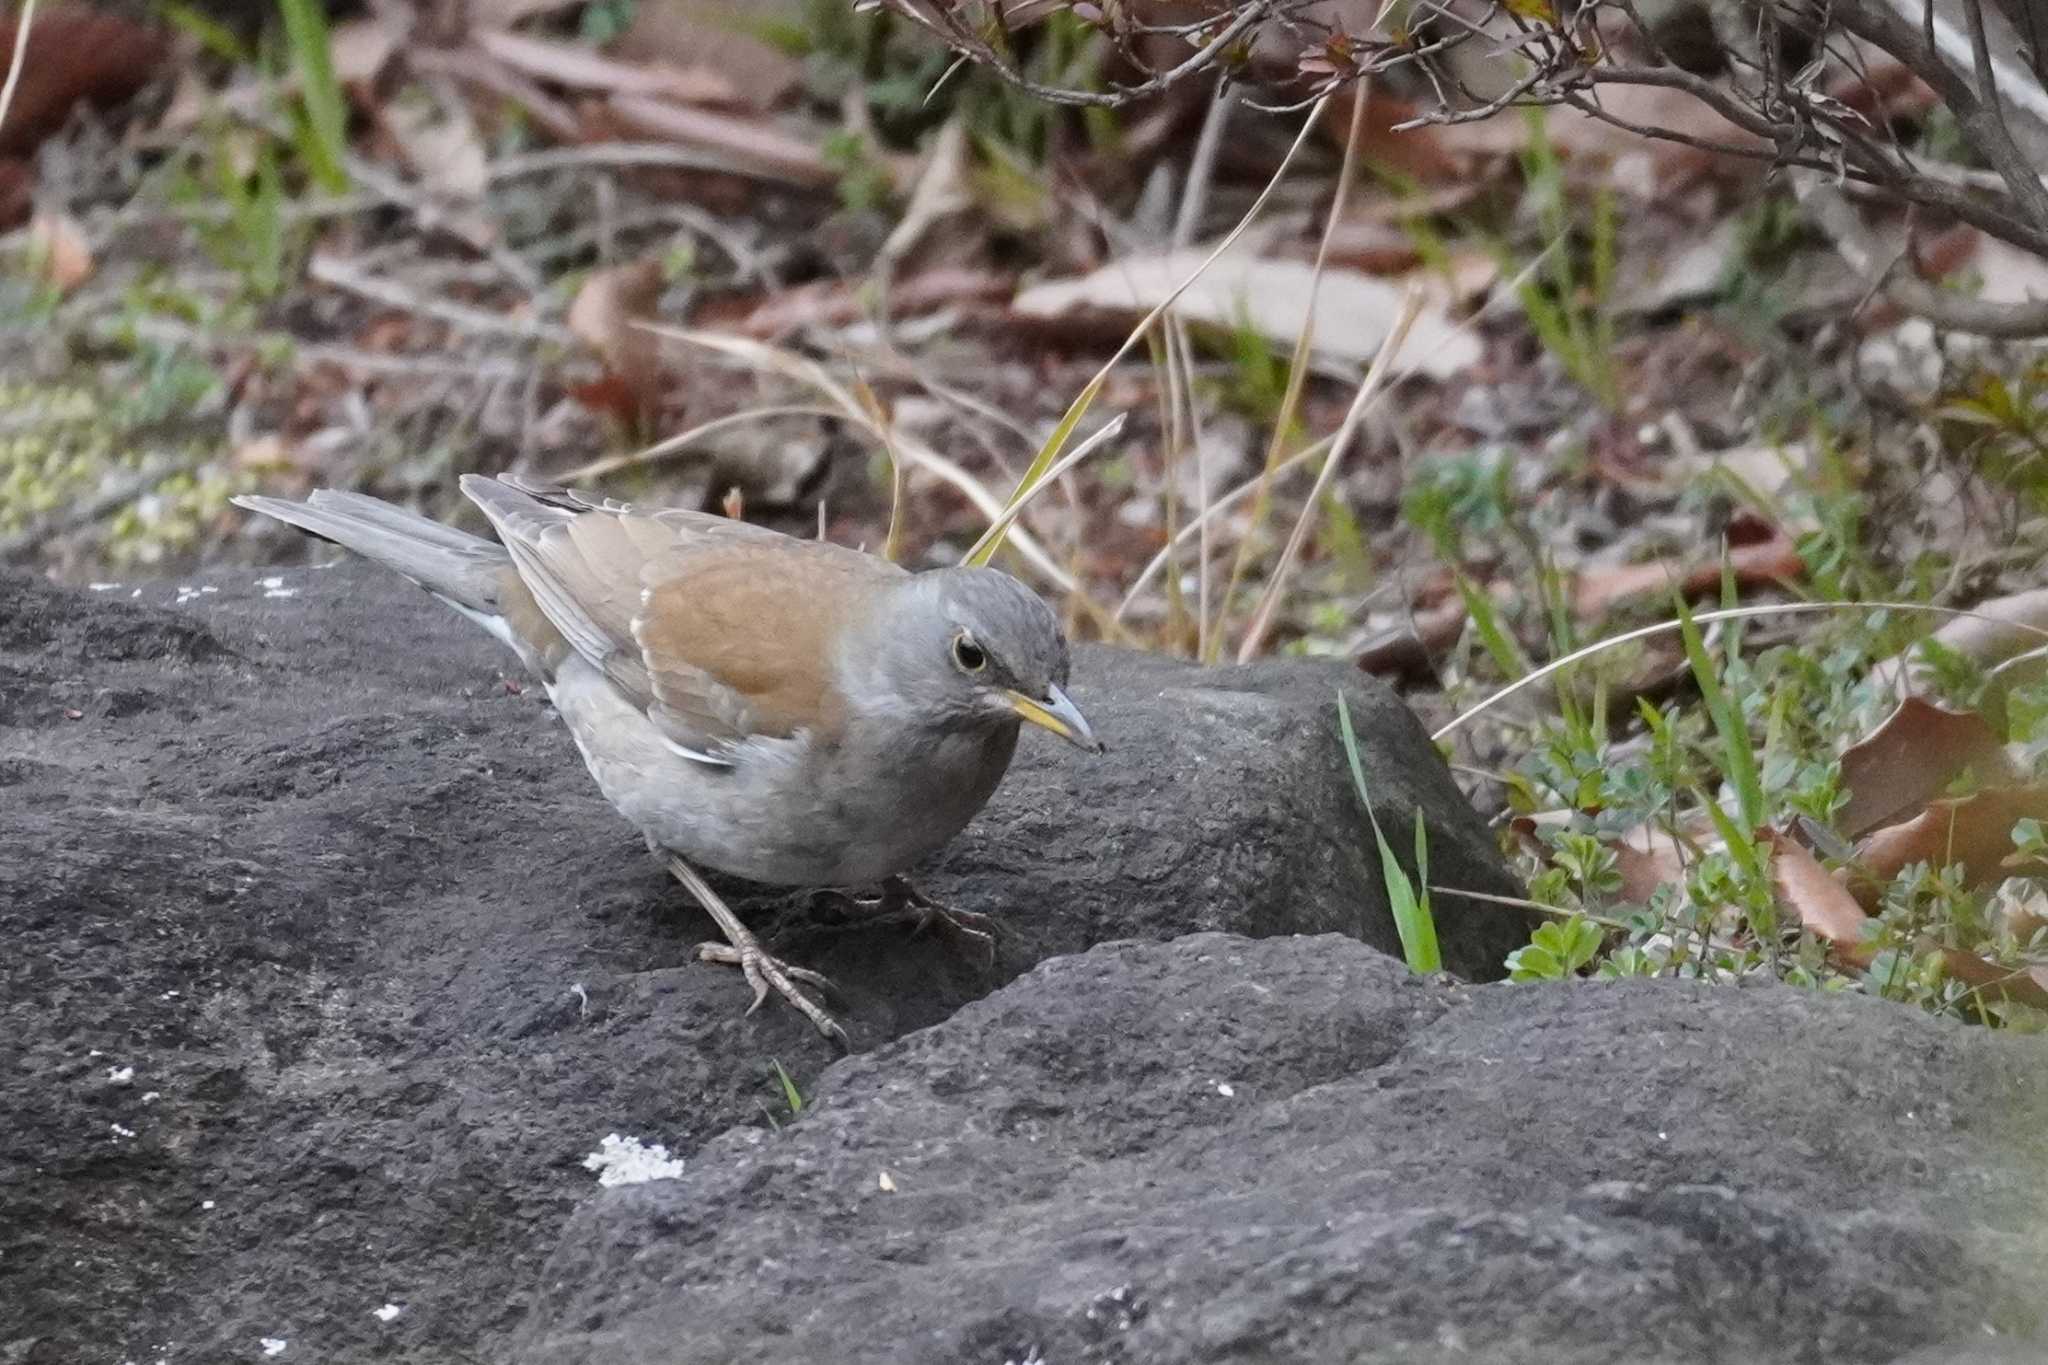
[[967, 45], [1834, 215]]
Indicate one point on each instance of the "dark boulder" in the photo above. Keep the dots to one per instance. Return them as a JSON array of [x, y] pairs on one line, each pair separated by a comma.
[[325, 964]]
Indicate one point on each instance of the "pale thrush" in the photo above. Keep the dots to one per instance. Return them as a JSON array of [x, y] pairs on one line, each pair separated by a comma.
[[788, 711]]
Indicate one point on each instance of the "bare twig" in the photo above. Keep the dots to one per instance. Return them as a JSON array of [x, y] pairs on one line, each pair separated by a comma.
[[1834, 215], [341, 274], [964, 42]]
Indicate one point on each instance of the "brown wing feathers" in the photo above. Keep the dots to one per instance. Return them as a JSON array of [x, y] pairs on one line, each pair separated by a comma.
[[719, 630]]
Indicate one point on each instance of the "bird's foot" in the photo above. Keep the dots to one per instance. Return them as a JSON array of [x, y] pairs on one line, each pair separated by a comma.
[[971, 933], [765, 972]]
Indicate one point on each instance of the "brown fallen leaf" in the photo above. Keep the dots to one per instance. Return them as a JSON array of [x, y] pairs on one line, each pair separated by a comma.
[[839, 303], [1432, 154], [1911, 758], [1448, 153], [1975, 831], [1828, 911], [1353, 311], [76, 55], [1647, 858], [604, 314], [1824, 906], [579, 68], [1410, 650], [2023, 985], [738, 145], [718, 36], [57, 246], [1599, 591], [2001, 628]]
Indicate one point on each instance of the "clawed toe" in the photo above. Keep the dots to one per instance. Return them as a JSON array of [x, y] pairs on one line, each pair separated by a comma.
[[763, 971], [767, 973]]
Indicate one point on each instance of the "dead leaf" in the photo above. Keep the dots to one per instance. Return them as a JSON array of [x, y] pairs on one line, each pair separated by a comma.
[[579, 68], [1409, 651], [1434, 153], [361, 48], [1824, 906], [840, 303], [1598, 591], [718, 36], [2002, 628], [1373, 245], [476, 67], [2007, 274], [2023, 985], [605, 313], [511, 13], [1647, 857], [1353, 311], [1883, 89], [1911, 758], [1975, 831], [1653, 278], [59, 250], [752, 147], [441, 144], [1648, 168], [942, 191], [75, 56]]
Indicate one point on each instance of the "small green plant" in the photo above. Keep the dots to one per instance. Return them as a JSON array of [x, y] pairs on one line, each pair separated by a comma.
[[1567, 301], [792, 1099], [235, 189], [1556, 951], [321, 114], [1413, 919]]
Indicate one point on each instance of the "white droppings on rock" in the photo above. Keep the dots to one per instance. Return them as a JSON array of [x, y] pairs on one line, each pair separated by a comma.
[[272, 1346], [103, 587], [629, 1161], [151, 1096], [388, 1313], [1226, 1090], [120, 1075], [119, 1131], [206, 1203]]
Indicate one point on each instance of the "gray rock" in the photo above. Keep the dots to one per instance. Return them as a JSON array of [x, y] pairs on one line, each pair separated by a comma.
[[296, 851], [1290, 1150]]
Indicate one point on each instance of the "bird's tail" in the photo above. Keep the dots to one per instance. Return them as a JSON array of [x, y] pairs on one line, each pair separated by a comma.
[[468, 572]]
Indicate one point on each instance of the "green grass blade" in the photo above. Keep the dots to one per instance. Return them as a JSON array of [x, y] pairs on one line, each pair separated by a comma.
[[1727, 718], [1413, 919], [1048, 454], [326, 114]]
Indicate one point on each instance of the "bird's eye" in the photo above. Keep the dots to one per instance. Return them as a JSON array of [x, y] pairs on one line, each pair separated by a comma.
[[971, 657]]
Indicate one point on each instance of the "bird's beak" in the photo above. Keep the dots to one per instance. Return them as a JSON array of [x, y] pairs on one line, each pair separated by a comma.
[[1057, 714]]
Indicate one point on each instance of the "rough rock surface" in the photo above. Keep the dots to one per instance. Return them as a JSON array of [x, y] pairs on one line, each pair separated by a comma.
[[322, 964], [1220, 1149]]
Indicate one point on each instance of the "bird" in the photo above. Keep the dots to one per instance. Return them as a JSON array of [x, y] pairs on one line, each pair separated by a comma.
[[789, 712]]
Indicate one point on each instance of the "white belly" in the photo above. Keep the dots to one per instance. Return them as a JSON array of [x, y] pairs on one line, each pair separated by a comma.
[[785, 812]]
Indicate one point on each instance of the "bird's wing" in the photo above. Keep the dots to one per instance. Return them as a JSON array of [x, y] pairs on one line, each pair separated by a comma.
[[716, 629]]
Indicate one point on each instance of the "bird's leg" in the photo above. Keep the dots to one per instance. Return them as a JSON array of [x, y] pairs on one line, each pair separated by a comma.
[[964, 929], [763, 972]]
